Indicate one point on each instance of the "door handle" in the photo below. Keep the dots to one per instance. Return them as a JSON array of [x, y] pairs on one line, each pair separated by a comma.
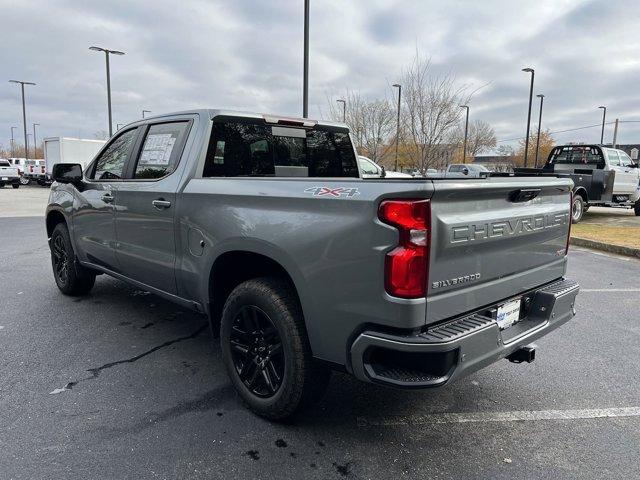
[[107, 198], [161, 204]]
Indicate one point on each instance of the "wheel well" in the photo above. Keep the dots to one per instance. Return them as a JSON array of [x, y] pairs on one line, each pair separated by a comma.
[[582, 193], [231, 269], [53, 219]]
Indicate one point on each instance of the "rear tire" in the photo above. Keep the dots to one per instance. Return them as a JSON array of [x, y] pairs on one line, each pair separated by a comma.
[[577, 209], [636, 208], [24, 180], [266, 350], [71, 278], [16, 185]]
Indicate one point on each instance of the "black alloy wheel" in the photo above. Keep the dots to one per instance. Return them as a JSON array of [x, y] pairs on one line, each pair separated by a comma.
[[60, 260], [256, 351]]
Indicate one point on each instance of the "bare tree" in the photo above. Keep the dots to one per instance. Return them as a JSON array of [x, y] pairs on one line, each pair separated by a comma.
[[480, 137], [431, 113], [371, 123]]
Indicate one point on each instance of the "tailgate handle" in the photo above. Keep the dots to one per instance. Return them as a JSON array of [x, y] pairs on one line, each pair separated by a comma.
[[523, 194]]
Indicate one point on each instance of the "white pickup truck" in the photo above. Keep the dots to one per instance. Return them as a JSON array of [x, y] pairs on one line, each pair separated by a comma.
[[604, 177], [9, 174]]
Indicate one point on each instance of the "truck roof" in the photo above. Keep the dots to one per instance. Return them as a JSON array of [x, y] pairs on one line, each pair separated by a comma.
[[215, 112]]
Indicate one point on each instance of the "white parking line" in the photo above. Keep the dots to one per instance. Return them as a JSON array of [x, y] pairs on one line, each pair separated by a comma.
[[584, 290], [485, 417]]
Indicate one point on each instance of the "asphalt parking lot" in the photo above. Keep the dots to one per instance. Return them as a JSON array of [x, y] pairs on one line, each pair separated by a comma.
[[121, 384]]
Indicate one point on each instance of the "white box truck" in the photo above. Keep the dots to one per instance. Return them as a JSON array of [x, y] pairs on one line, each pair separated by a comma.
[[67, 150]]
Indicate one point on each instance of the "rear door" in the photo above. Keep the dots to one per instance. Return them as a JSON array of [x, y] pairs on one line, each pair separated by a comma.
[[146, 204], [625, 181], [93, 212], [494, 238]]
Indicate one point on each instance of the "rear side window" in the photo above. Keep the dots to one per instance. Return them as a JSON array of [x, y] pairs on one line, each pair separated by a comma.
[[614, 158], [259, 150], [159, 155], [110, 164]]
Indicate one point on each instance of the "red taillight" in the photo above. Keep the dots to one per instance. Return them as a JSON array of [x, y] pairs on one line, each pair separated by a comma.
[[407, 265], [42, 169], [566, 249]]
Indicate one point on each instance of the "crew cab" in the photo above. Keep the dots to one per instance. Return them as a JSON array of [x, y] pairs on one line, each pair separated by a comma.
[[605, 177], [265, 225], [9, 174]]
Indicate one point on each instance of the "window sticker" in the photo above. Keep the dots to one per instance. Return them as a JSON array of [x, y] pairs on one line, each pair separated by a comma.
[[157, 149]]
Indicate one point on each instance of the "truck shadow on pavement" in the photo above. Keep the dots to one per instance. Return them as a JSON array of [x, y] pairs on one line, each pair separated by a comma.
[[176, 333]]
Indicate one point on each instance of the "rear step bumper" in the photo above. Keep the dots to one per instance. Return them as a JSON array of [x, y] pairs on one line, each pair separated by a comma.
[[457, 347]]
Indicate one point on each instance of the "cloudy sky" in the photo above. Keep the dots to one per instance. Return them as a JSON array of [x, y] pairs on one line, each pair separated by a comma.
[[247, 54]]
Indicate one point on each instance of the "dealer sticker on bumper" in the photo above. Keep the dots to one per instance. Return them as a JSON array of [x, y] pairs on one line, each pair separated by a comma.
[[508, 314]]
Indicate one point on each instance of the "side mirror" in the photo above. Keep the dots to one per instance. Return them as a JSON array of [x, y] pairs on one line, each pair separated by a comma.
[[67, 173], [465, 171], [383, 172]]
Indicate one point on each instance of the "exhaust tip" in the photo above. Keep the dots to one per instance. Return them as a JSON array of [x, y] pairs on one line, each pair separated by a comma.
[[523, 354]]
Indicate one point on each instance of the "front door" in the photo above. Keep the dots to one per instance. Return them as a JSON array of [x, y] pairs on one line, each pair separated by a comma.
[[145, 207], [93, 214]]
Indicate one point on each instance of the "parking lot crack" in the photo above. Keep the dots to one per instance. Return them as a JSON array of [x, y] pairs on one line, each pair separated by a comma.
[[95, 372]]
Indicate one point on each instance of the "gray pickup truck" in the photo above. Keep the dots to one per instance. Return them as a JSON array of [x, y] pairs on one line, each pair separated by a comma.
[[265, 225]]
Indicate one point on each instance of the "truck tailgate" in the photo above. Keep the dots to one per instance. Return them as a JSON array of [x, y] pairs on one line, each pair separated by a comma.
[[490, 241]]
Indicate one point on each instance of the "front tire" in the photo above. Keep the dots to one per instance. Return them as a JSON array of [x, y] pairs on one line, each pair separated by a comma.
[[266, 350], [16, 185], [71, 278], [636, 208], [577, 209]]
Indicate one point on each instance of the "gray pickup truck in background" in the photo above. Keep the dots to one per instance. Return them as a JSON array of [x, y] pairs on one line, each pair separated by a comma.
[[265, 225]]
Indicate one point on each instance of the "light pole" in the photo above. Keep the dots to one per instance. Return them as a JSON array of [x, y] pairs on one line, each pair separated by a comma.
[[604, 116], [13, 142], [35, 141], [344, 109], [145, 111], [526, 142], [106, 55], [541, 97], [305, 72], [466, 129], [399, 87], [24, 116]]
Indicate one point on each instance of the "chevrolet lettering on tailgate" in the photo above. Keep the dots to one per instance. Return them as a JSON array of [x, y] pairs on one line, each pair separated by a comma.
[[503, 228]]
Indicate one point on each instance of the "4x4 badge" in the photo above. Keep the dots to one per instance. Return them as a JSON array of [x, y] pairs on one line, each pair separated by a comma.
[[333, 192]]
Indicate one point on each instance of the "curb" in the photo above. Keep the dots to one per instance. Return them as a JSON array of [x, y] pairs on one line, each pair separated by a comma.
[[607, 247]]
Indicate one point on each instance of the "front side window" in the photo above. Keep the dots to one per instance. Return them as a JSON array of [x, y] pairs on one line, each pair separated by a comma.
[[625, 160], [159, 154], [256, 149], [110, 164]]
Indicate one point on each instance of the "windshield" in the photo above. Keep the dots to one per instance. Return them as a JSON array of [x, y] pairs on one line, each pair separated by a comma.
[[368, 167]]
